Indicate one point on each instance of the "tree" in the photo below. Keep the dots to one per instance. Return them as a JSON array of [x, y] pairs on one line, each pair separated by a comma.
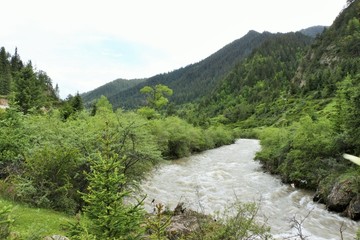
[[348, 110], [29, 92], [50, 93], [5, 73], [16, 63], [102, 105], [105, 206], [156, 96], [72, 105]]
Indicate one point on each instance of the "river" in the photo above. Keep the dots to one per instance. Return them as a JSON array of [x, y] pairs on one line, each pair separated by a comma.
[[217, 177]]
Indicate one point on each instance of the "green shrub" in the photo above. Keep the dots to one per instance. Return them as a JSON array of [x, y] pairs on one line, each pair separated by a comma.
[[5, 222]]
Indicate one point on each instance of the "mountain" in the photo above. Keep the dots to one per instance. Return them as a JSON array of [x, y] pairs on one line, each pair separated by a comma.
[[313, 31], [261, 78], [110, 89], [334, 54], [304, 101], [195, 80]]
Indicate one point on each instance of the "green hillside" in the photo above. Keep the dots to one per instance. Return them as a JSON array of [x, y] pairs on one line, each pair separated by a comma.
[[115, 87], [257, 81], [313, 31]]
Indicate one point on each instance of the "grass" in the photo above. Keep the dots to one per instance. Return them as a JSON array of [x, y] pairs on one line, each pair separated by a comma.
[[35, 223]]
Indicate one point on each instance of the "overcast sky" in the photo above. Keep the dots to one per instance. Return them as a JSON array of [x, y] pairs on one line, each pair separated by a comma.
[[83, 44]]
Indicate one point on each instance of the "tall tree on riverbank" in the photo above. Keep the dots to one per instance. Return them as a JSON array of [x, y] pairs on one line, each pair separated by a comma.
[[111, 217]]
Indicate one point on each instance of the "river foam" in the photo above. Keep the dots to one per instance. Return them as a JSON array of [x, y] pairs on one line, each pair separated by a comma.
[[209, 181]]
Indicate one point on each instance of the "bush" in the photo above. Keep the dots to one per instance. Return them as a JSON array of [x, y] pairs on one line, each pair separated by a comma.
[[239, 221], [275, 143], [5, 222], [51, 179]]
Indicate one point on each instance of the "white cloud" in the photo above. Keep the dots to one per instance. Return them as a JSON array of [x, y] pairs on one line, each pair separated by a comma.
[[84, 44]]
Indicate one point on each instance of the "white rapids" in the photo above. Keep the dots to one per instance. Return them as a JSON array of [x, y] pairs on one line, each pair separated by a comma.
[[217, 177]]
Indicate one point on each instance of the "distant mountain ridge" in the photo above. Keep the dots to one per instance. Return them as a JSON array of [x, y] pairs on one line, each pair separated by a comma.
[[109, 89], [192, 82], [313, 31], [195, 80]]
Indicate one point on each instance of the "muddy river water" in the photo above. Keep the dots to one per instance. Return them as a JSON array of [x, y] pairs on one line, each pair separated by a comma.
[[211, 180]]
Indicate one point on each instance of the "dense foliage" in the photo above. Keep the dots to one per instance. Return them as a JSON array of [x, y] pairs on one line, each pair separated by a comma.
[[300, 96], [45, 158], [329, 124], [29, 89], [257, 81]]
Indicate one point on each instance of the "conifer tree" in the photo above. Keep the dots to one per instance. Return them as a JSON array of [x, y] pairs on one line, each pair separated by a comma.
[[5, 73], [16, 63], [29, 93], [111, 217]]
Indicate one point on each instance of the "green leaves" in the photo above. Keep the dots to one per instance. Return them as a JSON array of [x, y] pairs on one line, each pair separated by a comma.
[[106, 193], [299, 151], [5, 222], [156, 96]]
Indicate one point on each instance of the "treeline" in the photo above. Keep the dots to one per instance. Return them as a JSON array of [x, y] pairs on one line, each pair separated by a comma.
[[23, 85]]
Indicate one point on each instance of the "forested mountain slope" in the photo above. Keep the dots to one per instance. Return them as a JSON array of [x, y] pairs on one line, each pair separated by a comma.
[[305, 106], [334, 55], [110, 89], [192, 82], [313, 31], [195, 80], [258, 80]]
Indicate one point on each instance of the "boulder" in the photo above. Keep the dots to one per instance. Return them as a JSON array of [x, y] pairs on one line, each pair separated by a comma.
[[340, 196], [353, 210], [184, 222], [182, 225]]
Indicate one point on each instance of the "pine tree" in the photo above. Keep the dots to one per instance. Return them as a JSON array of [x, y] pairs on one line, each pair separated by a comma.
[[111, 217], [16, 63], [5, 73], [29, 93]]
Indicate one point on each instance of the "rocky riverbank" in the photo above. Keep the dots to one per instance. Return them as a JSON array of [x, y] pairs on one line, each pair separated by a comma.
[[341, 198]]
